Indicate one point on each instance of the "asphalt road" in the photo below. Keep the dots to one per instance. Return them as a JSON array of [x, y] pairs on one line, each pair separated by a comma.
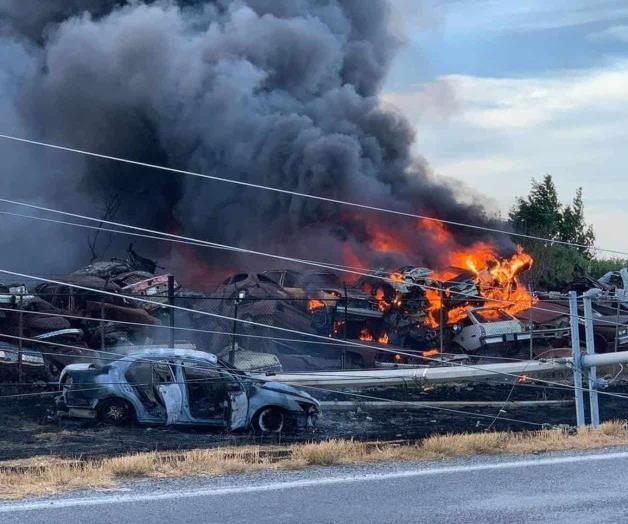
[[557, 488]]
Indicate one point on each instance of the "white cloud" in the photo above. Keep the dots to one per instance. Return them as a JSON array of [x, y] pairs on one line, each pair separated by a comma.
[[495, 134], [616, 32], [498, 15]]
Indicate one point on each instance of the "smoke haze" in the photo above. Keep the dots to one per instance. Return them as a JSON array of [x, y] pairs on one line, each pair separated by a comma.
[[276, 92]]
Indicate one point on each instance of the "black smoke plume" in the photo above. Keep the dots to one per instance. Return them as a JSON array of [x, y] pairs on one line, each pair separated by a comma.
[[277, 92]]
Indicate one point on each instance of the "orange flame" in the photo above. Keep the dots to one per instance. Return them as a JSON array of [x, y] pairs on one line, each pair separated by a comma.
[[314, 304], [365, 335], [497, 277], [338, 325], [382, 304], [383, 339]]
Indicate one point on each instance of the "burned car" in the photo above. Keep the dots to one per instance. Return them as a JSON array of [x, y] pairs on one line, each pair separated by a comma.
[[33, 366], [182, 387], [329, 301], [617, 283], [610, 328], [490, 327]]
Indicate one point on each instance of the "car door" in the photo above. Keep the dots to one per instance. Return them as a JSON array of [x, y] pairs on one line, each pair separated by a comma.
[[206, 396], [238, 402], [169, 391]]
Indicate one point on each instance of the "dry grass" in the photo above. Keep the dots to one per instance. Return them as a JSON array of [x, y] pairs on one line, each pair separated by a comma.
[[46, 476]]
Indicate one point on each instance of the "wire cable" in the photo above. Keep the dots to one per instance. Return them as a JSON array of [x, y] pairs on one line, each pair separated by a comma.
[[304, 195], [289, 259]]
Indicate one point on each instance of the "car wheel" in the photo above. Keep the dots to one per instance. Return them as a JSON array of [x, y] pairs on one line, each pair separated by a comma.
[[116, 411], [270, 420]]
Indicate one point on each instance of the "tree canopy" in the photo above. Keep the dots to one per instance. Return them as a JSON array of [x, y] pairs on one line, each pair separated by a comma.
[[542, 214]]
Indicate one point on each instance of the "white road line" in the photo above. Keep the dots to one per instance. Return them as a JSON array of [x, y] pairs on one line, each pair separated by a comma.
[[278, 486]]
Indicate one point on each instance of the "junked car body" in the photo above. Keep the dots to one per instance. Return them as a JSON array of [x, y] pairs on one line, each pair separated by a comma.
[[489, 326], [182, 387], [33, 365], [326, 289], [610, 327], [617, 281]]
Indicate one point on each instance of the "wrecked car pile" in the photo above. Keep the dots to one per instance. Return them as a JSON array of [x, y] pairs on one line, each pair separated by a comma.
[[476, 306]]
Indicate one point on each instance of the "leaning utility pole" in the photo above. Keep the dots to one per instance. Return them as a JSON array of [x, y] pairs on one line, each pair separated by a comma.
[[592, 371], [577, 357]]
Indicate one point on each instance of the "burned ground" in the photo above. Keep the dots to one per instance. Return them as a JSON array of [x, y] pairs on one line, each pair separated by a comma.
[[26, 433]]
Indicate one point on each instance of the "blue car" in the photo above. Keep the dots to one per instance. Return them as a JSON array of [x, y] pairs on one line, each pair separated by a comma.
[[182, 387]]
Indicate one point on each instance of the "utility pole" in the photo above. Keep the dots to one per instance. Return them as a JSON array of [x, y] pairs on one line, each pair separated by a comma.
[[441, 318], [531, 325], [102, 325], [344, 347], [241, 296], [171, 310], [577, 357], [591, 370], [20, 371]]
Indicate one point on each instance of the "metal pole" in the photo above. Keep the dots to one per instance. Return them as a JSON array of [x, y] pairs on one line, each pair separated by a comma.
[[171, 302], [102, 325], [617, 326], [531, 326], [592, 371], [441, 318], [577, 357], [233, 331], [20, 343], [344, 347]]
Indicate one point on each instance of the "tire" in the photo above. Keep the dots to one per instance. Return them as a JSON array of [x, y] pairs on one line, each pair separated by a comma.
[[270, 420], [117, 412]]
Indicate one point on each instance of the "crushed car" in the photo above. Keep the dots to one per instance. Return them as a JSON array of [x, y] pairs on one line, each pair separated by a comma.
[[182, 387], [610, 327], [617, 284], [33, 366], [490, 328], [328, 300]]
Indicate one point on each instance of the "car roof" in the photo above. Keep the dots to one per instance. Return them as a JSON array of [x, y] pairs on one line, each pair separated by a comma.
[[166, 352]]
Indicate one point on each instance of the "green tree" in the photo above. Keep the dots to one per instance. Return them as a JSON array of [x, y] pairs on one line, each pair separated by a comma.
[[541, 214], [599, 267], [574, 229]]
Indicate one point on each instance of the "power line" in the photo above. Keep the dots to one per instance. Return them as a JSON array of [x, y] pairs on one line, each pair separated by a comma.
[[305, 195], [204, 243], [191, 242], [349, 343], [226, 371], [348, 377], [162, 326]]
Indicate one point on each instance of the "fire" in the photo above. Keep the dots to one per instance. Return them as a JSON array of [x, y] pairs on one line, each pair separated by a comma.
[[382, 303], [437, 230], [339, 325], [365, 335], [314, 304], [449, 290], [496, 277], [430, 353]]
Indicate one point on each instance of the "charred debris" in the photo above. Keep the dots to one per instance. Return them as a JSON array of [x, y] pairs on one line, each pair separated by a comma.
[[411, 316]]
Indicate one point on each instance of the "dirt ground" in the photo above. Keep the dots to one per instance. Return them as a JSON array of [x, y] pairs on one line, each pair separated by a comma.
[[26, 432]]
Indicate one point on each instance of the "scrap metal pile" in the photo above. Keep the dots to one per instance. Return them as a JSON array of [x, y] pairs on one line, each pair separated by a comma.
[[476, 306]]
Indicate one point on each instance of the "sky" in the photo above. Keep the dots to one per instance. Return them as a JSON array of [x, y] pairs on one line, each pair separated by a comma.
[[504, 91]]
